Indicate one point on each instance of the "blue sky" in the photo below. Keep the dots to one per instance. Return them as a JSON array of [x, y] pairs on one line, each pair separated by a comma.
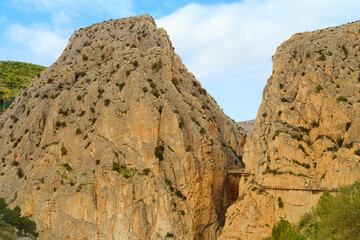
[[227, 44]]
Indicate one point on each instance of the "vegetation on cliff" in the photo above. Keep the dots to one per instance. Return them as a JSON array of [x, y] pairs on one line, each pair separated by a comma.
[[15, 76], [334, 217], [11, 220]]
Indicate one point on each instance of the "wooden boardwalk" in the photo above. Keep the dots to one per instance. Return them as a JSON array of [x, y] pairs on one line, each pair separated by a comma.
[[310, 189], [241, 172]]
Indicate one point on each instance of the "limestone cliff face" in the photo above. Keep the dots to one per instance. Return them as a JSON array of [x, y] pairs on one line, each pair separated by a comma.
[[307, 132], [117, 140]]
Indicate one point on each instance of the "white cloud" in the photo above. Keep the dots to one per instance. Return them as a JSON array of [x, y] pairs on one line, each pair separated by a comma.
[[247, 32], [39, 42], [227, 43]]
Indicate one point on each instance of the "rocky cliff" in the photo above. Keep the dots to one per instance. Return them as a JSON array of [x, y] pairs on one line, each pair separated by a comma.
[[117, 140], [307, 131], [247, 125]]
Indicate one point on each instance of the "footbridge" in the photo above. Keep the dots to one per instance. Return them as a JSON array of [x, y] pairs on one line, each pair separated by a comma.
[[239, 172]]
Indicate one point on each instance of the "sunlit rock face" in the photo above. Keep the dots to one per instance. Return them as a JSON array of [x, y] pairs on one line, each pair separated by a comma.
[[307, 131], [117, 140]]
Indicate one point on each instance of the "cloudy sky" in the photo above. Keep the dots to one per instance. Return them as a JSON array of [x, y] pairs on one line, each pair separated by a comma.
[[227, 44]]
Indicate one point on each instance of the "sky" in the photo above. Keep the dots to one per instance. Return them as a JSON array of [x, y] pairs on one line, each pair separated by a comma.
[[227, 44]]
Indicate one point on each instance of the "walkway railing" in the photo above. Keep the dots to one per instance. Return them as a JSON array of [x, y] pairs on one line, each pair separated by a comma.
[[312, 189], [241, 172]]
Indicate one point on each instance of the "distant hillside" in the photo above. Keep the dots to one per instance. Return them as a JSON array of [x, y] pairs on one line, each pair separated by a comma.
[[247, 125], [15, 76]]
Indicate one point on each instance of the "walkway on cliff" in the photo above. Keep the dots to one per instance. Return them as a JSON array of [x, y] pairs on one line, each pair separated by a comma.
[[241, 172]]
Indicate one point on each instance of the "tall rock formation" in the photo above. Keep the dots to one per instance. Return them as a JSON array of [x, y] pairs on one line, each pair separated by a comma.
[[307, 131], [117, 140]]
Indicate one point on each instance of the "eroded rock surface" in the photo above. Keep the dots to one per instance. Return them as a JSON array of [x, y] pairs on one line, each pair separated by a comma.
[[307, 132], [117, 140]]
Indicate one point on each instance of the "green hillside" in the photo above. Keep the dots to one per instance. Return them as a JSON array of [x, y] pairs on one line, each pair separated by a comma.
[[334, 217], [15, 76], [12, 224]]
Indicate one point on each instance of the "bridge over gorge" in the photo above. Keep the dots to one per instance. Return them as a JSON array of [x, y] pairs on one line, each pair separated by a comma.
[[241, 173]]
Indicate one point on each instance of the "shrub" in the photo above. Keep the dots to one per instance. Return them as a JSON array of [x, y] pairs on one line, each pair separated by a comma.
[[159, 152], [170, 235], [84, 57], [346, 52], [79, 97], [322, 57], [145, 89], [318, 88], [301, 147], [146, 171], [15, 163], [78, 131], [120, 86], [202, 91], [283, 99], [58, 123], [97, 161], [347, 126], [179, 193], [101, 90], [349, 145], [135, 63], [63, 112], [66, 166], [202, 131], [341, 99], [175, 81], [168, 182], [107, 102], [127, 173], [280, 202], [157, 66], [63, 151], [357, 152], [152, 84], [20, 173], [117, 167], [314, 124], [127, 73], [298, 137], [155, 92], [79, 74], [340, 142]]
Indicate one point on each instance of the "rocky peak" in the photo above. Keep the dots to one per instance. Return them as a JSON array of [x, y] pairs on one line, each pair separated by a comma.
[[307, 132], [118, 140]]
